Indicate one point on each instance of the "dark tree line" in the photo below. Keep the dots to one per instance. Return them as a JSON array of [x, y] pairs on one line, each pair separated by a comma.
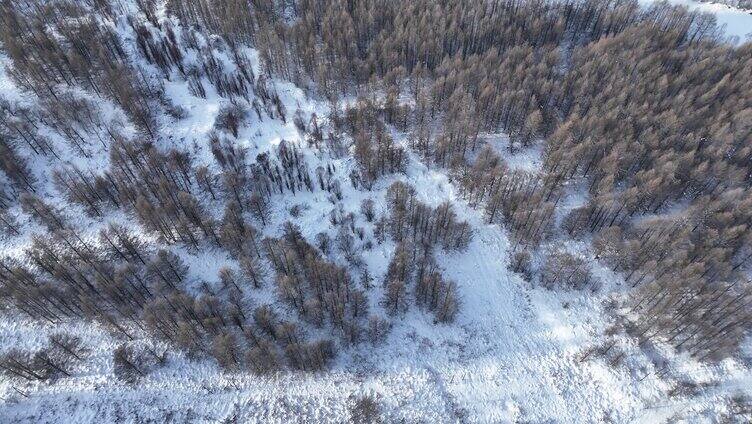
[[131, 289], [57, 359], [413, 221], [375, 150], [321, 291], [417, 228], [524, 201], [413, 269]]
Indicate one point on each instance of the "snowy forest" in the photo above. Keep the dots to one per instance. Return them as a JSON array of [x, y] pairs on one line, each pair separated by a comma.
[[374, 211]]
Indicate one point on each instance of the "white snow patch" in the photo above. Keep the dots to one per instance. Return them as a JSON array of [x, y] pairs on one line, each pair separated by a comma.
[[734, 21]]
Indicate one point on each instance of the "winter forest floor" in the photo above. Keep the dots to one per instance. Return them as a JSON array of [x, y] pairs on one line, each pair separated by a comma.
[[513, 354]]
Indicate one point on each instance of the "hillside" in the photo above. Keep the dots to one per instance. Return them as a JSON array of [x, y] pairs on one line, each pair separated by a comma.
[[325, 211]]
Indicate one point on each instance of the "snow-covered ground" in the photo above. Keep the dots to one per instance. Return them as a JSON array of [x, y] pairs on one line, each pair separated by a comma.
[[736, 22], [513, 354]]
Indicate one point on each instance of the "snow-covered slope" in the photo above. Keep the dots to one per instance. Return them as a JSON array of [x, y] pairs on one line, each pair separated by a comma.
[[514, 353]]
